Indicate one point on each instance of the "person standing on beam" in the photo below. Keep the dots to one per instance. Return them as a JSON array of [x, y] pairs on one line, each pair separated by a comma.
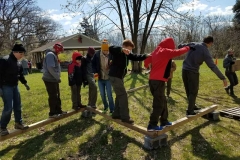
[[161, 60]]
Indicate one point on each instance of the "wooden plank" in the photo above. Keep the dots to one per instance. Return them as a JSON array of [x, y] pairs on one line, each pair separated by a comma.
[[134, 127], [16, 132], [185, 120], [144, 131], [236, 66], [137, 88]]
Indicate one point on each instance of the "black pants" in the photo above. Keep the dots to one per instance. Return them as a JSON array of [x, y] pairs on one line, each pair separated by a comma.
[[54, 100], [232, 77], [160, 110], [76, 96], [169, 86], [191, 84]]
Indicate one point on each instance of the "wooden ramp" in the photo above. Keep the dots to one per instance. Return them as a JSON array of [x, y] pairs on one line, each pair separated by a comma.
[[153, 134], [42, 123], [233, 113]]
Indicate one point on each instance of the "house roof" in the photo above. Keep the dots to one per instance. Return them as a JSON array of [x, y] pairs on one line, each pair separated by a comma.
[[76, 41]]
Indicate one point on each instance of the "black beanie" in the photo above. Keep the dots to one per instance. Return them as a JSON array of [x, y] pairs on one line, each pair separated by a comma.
[[18, 48]]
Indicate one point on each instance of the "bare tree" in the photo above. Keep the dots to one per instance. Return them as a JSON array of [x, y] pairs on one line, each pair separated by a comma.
[[133, 18], [23, 20]]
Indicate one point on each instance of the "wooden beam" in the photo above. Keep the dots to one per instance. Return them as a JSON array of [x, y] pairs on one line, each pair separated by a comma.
[[16, 132], [144, 131], [131, 126], [137, 88], [185, 120]]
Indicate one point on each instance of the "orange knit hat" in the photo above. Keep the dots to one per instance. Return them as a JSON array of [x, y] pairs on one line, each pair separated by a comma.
[[105, 45]]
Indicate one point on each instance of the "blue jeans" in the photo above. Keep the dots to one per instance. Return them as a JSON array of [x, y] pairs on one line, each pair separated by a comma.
[[12, 101], [105, 85]]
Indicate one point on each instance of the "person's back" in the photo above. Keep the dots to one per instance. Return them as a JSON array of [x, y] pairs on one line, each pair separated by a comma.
[[51, 68], [195, 58]]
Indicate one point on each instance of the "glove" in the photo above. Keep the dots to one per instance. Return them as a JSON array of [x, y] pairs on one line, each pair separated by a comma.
[[232, 63], [1, 92], [27, 87], [85, 83]]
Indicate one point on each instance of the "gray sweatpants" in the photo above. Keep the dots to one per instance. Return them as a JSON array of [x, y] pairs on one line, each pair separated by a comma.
[[92, 94]]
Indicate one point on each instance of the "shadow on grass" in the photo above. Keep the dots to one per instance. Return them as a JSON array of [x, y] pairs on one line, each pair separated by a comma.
[[30, 147], [201, 147]]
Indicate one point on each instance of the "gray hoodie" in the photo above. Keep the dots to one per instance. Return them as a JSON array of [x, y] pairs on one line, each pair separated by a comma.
[[51, 68], [195, 57]]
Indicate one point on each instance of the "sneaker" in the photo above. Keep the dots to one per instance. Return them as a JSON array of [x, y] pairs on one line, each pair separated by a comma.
[[20, 126], [188, 114], [130, 121], [197, 109], [55, 116], [4, 132], [62, 112], [166, 124], [154, 128]]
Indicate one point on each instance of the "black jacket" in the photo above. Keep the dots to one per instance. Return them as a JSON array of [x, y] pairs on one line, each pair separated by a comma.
[[11, 71], [119, 61], [96, 63], [228, 62]]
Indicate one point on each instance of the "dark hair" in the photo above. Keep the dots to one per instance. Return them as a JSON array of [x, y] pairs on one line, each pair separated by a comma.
[[208, 39], [128, 43]]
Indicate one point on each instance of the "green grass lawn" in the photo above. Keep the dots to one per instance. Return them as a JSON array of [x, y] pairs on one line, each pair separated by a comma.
[[97, 138]]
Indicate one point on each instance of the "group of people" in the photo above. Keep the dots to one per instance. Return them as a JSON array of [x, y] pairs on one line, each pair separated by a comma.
[[109, 66]]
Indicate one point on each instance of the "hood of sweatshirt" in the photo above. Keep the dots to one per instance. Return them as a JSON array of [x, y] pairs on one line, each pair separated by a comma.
[[167, 43]]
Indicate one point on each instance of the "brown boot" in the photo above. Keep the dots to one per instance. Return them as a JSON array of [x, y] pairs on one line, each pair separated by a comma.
[[20, 126]]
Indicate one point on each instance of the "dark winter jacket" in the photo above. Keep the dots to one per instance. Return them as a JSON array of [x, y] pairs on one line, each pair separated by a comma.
[[161, 59], [228, 62], [76, 73], [119, 61], [11, 71], [87, 64], [96, 63]]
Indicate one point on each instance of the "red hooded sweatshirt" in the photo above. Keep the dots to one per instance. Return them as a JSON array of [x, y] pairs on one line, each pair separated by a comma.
[[160, 59], [75, 71]]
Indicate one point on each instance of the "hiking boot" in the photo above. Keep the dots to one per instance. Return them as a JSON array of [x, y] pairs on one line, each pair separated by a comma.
[[166, 124], [55, 116], [130, 121], [154, 128], [190, 114], [4, 132], [20, 126]]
